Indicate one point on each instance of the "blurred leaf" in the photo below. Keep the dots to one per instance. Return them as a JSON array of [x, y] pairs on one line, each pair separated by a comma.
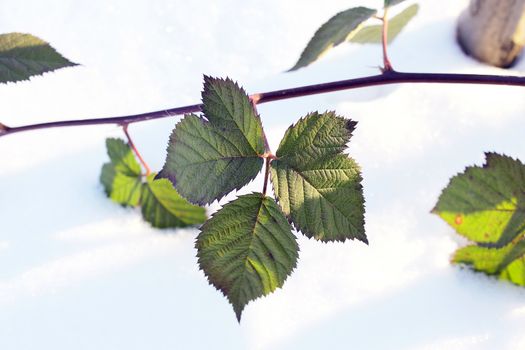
[[507, 263], [373, 34], [338, 29], [122, 157], [163, 207], [247, 249], [24, 55], [121, 177], [208, 159], [390, 3], [121, 188], [317, 186], [486, 204]]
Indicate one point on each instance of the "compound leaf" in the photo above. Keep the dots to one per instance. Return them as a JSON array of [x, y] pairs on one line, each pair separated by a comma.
[[372, 34], [121, 177], [24, 55], [338, 29], [507, 263], [163, 207], [317, 187], [486, 204], [247, 249], [207, 159]]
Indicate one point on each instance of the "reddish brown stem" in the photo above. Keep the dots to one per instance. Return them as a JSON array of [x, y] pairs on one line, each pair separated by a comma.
[[134, 148], [387, 65], [267, 161]]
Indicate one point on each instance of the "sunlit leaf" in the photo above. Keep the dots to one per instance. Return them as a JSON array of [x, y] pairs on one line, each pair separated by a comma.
[[163, 207], [317, 186], [338, 29], [247, 249], [208, 158], [507, 263], [24, 55], [372, 34], [486, 204]]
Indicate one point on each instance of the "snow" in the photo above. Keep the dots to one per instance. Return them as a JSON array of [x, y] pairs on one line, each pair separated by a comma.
[[79, 272]]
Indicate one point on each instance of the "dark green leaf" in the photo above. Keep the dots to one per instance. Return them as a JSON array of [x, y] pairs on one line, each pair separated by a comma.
[[486, 204], [163, 207], [372, 34], [319, 188], [247, 249], [507, 263], [338, 29], [24, 55], [207, 159]]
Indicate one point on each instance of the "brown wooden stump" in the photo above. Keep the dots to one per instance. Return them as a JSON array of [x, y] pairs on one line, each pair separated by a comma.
[[493, 31]]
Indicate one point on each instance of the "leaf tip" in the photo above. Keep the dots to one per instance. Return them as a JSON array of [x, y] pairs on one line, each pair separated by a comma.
[[351, 125]]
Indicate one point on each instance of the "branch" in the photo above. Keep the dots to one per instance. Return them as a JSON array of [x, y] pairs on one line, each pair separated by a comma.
[[388, 77]]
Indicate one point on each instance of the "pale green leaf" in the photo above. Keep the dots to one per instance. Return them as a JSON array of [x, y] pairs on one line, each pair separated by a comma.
[[507, 263], [338, 29], [24, 55], [390, 3], [121, 188], [372, 34], [122, 157], [163, 207], [208, 158], [317, 186], [486, 204], [121, 177], [247, 249]]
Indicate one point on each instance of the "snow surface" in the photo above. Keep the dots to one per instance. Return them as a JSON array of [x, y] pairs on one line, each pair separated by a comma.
[[79, 272]]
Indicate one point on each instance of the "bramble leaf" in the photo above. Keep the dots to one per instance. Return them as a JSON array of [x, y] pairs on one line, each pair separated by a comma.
[[372, 34], [338, 29], [507, 263], [247, 249], [24, 55], [121, 177], [207, 159], [317, 186], [163, 207], [390, 3], [122, 157], [121, 188], [486, 204]]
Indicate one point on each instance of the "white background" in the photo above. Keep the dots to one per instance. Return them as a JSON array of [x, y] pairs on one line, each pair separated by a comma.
[[79, 272]]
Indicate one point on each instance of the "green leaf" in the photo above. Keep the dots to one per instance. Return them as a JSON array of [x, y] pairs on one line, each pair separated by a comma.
[[24, 55], [208, 159], [390, 3], [163, 207], [122, 157], [121, 188], [338, 29], [317, 187], [373, 34], [121, 178], [247, 249], [486, 204], [507, 263]]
